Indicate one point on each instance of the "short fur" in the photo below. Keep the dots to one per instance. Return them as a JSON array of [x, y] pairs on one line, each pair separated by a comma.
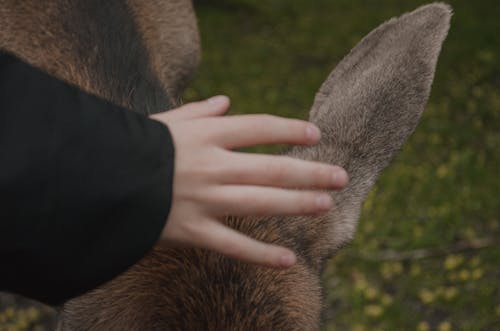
[[138, 54], [143, 58]]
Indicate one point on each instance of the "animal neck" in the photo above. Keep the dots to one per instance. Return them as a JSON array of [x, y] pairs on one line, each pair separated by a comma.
[[92, 44]]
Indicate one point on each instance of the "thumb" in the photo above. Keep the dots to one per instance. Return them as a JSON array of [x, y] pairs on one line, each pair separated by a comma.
[[215, 106]]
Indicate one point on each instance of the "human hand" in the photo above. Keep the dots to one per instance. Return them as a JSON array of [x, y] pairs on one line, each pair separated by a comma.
[[212, 181]]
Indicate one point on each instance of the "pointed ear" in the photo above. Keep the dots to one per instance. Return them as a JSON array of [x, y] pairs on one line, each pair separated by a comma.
[[371, 103]]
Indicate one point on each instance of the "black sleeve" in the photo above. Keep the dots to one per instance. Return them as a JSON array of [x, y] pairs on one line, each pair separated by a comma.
[[85, 186]]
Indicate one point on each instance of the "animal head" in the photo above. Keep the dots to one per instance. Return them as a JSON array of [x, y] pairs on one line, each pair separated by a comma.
[[141, 54], [366, 109]]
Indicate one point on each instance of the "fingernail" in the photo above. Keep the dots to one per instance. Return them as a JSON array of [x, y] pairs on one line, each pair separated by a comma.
[[218, 100], [313, 132], [324, 202], [288, 260], [339, 177]]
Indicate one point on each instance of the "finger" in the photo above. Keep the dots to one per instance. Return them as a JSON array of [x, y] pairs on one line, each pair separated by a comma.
[[281, 171], [265, 201], [248, 130], [214, 106], [220, 238]]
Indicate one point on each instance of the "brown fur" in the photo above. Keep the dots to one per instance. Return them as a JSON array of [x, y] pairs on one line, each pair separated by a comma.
[[139, 54], [171, 37], [366, 109]]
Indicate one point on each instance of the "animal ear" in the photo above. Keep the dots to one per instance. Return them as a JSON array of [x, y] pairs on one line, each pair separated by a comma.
[[372, 102], [376, 94]]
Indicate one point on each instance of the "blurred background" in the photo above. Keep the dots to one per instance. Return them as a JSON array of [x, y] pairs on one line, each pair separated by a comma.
[[426, 255]]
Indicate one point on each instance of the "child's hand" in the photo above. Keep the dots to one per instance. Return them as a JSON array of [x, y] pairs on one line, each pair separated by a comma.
[[211, 181]]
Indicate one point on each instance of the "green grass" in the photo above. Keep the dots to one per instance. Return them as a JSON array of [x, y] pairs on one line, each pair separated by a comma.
[[441, 193]]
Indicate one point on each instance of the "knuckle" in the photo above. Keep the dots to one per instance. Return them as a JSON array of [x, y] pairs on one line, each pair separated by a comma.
[[232, 245], [258, 204], [278, 171], [231, 248], [209, 172], [268, 117], [309, 203], [272, 257], [197, 230], [272, 121], [297, 130], [190, 228], [302, 126], [297, 126], [322, 175], [192, 105]]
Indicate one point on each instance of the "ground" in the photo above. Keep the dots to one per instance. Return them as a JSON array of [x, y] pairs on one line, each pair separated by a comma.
[[426, 255]]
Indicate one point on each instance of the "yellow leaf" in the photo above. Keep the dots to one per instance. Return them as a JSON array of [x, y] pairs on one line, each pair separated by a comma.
[[426, 296], [423, 326], [374, 310], [444, 326]]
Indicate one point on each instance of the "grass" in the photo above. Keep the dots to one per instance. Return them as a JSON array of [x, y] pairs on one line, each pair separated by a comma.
[[440, 196]]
